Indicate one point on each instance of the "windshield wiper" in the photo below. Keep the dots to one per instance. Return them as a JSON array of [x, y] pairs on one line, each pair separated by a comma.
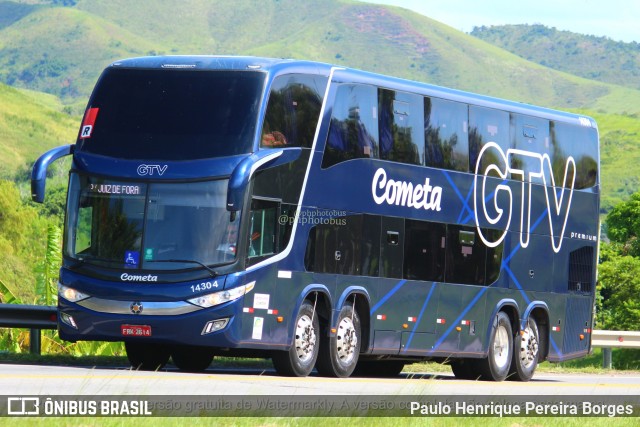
[[189, 261]]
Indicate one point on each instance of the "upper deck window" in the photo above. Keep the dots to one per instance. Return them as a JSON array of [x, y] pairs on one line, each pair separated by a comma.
[[446, 135], [173, 114], [293, 111], [354, 125], [400, 124]]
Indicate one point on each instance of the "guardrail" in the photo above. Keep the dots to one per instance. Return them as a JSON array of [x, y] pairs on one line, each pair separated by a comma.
[[34, 317], [613, 339]]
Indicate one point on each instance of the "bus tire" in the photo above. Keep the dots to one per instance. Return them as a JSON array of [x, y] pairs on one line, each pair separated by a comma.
[[301, 357], [465, 369], [498, 362], [147, 356], [339, 353], [378, 368], [192, 358], [525, 352]]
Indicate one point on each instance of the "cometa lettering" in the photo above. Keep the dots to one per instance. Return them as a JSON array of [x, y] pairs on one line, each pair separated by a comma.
[[402, 193], [137, 278]]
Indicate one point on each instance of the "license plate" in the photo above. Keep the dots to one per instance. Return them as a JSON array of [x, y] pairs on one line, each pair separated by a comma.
[[135, 330]]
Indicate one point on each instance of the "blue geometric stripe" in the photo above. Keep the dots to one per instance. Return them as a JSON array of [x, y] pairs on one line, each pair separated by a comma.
[[387, 296], [415, 326]]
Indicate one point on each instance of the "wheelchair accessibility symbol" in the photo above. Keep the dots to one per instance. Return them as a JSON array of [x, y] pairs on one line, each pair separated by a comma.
[[132, 258]]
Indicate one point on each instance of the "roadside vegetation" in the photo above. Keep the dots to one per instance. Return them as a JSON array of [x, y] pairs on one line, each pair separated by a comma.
[[45, 84]]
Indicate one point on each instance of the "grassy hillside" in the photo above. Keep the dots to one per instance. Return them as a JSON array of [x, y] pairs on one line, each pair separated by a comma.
[[596, 58], [30, 123], [61, 50], [620, 157], [61, 46]]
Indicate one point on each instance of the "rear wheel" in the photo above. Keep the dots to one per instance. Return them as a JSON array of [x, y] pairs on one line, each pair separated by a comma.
[[525, 353], [339, 353], [191, 358], [146, 356], [301, 358], [496, 366]]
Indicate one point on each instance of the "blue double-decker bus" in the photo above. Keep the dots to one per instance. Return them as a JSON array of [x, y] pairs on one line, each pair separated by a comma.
[[325, 218]]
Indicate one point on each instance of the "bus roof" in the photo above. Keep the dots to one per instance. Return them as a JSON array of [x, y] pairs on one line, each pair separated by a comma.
[[276, 66]]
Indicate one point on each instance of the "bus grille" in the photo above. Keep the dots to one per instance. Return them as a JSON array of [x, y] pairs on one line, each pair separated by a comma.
[[581, 269]]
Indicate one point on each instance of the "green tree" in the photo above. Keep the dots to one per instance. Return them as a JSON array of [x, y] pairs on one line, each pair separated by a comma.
[[619, 287], [623, 226], [618, 305]]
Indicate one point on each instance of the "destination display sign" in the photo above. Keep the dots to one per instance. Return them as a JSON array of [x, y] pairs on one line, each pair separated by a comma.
[[115, 188]]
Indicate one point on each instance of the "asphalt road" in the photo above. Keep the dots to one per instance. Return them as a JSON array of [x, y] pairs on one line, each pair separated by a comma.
[[55, 380]]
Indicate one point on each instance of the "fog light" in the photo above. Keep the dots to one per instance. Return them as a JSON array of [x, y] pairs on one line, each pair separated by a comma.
[[68, 320], [214, 326]]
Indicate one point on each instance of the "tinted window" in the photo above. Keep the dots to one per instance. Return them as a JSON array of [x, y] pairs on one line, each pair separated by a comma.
[[391, 247], [262, 228], [487, 125], [494, 256], [447, 144], [424, 251], [345, 245], [293, 111], [580, 142], [353, 132], [173, 114], [400, 126], [158, 226], [466, 256], [529, 134]]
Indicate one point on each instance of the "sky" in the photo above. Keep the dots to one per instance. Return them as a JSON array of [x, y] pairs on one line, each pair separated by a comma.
[[616, 19]]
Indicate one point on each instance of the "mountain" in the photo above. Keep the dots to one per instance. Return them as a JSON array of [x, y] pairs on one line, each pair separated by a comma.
[[591, 57], [59, 47], [30, 123]]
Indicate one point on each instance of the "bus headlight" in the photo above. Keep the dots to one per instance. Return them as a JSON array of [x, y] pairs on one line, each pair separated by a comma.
[[71, 294], [221, 297]]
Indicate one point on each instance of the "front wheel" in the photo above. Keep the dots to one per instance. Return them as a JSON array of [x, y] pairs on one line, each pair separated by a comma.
[[339, 353], [147, 357], [300, 359], [525, 353], [496, 366]]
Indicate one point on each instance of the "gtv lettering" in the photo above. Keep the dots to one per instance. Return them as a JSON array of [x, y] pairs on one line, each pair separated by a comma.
[[152, 170], [402, 193], [558, 202]]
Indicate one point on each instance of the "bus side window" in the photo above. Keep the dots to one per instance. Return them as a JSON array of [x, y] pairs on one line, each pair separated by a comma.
[[400, 124], [530, 135], [263, 229], [579, 142], [353, 133], [446, 134], [487, 125], [424, 250]]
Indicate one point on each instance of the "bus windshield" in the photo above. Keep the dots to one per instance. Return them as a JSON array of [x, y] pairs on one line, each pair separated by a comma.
[[152, 226], [167, 114]]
